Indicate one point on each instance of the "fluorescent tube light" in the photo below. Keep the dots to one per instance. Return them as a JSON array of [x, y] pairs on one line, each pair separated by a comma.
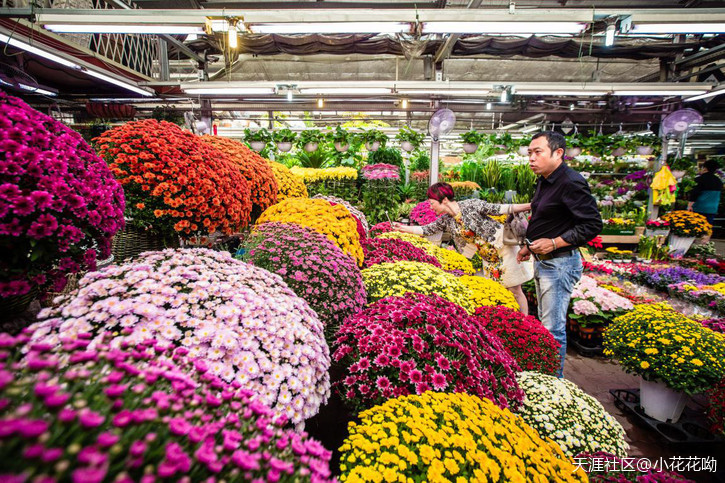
[[346, 90], [67, 63], [531, 128], [530, 92], [331, 28], [609, 35], [124, 29], [37, 90], [233, 44], [712, 93], [488, 106], [654, 92], [447, 92], [230, 90], [503, 27], [678, 28]]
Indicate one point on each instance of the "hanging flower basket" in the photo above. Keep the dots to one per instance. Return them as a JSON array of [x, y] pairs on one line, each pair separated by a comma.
[[373, 146], [257, 145], [523, 151], [470, 148], [284, 147], [680, 244], [573, 152], [645, 150], [660, 402], [407, 146], [341, 148], [619, 152], [311, 147]]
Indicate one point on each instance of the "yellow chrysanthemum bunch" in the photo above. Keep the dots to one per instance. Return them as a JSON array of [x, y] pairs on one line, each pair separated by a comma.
[[487, 292], [289, 185], [398, 278], [449, 259], [313, 175], [687, 224], [452, 260], [657, 342], [718, 287], [333, 221], [443, 437]]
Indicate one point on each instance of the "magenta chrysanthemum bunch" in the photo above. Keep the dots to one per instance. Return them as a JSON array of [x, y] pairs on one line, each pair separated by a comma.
[[244, 321], [379, 228], [59, 202], [384, 250], [380, 171], [417, 343], [423, 214], [138, 412], [311, 265]]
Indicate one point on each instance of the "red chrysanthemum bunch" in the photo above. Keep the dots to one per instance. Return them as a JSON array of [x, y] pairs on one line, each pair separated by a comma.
[[523, 336], [384, 250], [417, 343], [255, 168], [382, 227], [716, 411], [174, 182], [423, 214]]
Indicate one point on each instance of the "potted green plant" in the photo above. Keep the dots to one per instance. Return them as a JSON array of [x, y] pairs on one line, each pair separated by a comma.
[[310, 139], [647, 144], [374, 139], [471, 140], [503, 142], [340, 138], [522, 145], [619, 145], [409, 139], [258, 139], [284, 139], [573, 146]]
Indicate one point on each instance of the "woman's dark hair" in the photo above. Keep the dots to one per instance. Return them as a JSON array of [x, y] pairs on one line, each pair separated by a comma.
[[711, 165], [439, 191]]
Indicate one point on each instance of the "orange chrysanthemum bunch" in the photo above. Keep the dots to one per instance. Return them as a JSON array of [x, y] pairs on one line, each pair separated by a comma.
[[289, 185], [255, 168], [174, 183], [333, 221]]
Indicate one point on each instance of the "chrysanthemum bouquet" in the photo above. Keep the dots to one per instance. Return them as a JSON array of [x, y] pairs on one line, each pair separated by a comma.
[[398, 278], [523, 336], [289, 185], [658, 343], [138, 413], [311, 265], [487, 292], [417, 343], [449, 437], [335, 222], [255, 169], [380, 171], [315, 175], [423, 214], [359, 215], [687, 224], [384, 250], [577, 422], [593, 305], [59, 203], [174, 182], [244, 321]]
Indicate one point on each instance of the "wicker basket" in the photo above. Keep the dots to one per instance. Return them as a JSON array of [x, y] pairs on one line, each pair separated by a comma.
[[131, 241], [11, 306]]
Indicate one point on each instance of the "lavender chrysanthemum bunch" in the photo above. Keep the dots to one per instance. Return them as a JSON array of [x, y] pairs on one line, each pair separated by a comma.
[[59, 202], [138, 412], [243, 321], [662, 277], [311, 265]]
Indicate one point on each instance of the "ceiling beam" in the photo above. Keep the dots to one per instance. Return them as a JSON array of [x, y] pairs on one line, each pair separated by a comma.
[[445, 50]]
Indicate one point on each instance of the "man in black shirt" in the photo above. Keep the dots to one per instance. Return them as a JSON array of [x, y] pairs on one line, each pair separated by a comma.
[[564, 216]]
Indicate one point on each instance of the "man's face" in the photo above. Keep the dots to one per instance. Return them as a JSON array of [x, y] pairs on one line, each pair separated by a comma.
[[541, 160]]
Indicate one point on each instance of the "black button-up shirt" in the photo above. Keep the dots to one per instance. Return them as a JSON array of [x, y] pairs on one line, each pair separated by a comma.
[[564, 206]]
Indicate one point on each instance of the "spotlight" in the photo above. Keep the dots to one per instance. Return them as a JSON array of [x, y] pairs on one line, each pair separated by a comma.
[[488, 106], [320, 103], [404, 104]]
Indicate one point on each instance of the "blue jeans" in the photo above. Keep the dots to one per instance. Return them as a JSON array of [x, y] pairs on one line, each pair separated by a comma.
[[555, 280]]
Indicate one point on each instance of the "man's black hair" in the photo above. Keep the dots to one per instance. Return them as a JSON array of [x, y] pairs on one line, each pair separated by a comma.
[[554, 139]]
